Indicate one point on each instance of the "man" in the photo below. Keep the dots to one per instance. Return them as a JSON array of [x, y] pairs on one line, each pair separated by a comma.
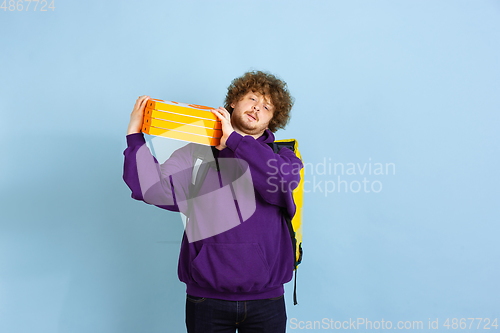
[[234, 265]]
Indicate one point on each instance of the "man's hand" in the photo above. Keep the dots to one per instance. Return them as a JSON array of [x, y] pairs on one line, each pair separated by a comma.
[[135, 124], [227, 128]]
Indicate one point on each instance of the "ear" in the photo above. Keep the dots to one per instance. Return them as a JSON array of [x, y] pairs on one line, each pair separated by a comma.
[[232, 105]]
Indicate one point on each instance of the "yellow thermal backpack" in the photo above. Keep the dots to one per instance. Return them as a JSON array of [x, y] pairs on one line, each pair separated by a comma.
[[295, 222]]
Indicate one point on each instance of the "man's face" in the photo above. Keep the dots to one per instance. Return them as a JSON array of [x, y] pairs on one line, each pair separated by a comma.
[[252, 114]]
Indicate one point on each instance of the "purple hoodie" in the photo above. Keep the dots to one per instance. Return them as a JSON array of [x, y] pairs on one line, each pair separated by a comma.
[[236, 245]]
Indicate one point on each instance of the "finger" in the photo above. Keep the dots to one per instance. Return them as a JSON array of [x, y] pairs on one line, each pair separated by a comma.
[[144, 101], [218, 115], [224, 111], [139, 101]]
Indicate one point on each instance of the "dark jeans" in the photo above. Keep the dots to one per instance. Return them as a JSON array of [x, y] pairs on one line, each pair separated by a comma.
[[207, 315]]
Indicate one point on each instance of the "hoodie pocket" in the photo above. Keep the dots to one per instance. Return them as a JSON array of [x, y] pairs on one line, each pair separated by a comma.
[[231, 267]]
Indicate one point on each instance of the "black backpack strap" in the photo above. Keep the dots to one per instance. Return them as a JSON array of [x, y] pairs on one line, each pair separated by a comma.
[[201, 154], [294, 247]]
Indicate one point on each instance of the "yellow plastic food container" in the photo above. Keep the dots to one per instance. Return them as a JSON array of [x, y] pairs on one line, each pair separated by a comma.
[[186, 122]]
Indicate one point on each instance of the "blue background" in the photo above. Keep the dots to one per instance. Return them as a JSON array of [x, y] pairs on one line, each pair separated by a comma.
[[414, 83]]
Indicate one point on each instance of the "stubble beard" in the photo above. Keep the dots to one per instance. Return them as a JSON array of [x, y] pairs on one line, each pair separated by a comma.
[[245, 126]]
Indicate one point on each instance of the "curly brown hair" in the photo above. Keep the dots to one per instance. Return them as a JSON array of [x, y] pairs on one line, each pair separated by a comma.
[[270, 87]]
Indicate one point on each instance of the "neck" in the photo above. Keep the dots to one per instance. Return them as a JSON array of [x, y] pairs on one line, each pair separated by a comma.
[[255, 136], [243, 133]]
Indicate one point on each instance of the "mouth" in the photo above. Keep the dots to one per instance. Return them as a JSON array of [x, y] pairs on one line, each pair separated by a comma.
[[251, 117]]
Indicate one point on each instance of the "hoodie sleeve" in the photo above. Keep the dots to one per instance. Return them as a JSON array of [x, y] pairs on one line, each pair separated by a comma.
[[157, 184], [274, 176]]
